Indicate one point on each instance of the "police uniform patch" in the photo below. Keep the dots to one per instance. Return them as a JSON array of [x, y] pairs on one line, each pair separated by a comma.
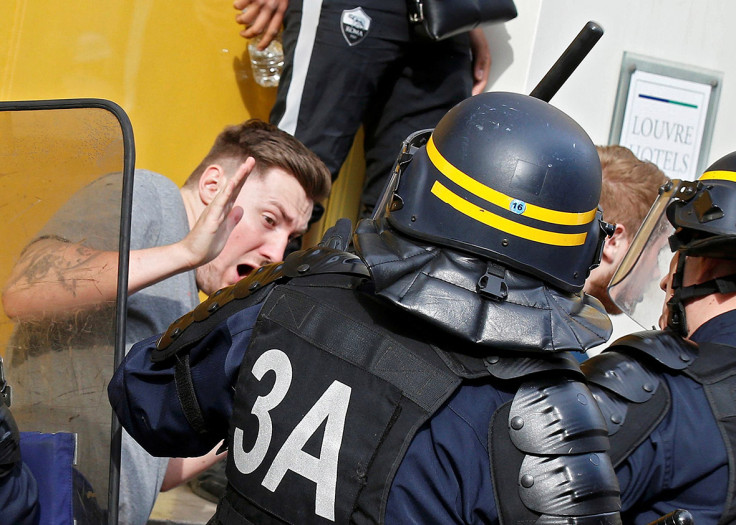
[[354, 24]]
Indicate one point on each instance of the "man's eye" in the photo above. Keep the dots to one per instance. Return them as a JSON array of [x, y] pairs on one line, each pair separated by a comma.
[[270, 220]]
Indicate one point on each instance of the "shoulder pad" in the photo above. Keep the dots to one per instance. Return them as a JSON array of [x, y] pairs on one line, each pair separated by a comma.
[[664, 346], [613, 408], [556, 416], [577, 489], [564, 487], [517, 366], [229, 300], [626, 389], [622, 375], [321, 260], [179, 334]]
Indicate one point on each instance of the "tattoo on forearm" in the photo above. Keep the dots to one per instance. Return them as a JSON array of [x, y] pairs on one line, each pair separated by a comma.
[[65, 265]]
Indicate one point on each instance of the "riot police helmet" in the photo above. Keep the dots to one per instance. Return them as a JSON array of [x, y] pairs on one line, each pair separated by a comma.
[[506, 177], [703, 215]]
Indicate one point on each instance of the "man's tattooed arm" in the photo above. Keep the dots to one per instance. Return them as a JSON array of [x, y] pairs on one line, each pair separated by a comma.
[[56, 276]]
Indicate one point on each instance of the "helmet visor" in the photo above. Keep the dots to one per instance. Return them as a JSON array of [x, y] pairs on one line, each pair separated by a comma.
[[408, 148], [634, 287]]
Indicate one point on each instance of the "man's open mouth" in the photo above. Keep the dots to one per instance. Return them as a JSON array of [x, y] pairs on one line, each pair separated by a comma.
[[244, 270]]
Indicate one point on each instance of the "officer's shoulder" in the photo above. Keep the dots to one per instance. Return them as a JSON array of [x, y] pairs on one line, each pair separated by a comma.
[[193, 326], [627, 382], [322, 260], [631, 366], [663, 346]]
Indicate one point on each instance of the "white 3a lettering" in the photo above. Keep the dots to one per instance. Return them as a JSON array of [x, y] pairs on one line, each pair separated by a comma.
[[279, 362], [332, 406]]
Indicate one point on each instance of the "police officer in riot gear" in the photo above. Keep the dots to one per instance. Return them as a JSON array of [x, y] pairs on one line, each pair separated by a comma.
[[18, 489], [667, 394], [427, 375]]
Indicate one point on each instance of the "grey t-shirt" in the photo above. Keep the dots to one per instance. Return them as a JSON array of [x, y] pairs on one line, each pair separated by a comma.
[[158, 219], [59, 367]]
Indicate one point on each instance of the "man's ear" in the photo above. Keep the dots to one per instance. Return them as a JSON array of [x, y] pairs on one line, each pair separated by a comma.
[[210, 183], [616, 246]]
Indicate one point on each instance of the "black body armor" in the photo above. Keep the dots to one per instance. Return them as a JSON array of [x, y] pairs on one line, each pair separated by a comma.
[[337, 380], [626, 381]]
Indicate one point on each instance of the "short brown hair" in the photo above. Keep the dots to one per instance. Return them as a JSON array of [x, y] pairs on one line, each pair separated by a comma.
[[270, 147], [630, 186]]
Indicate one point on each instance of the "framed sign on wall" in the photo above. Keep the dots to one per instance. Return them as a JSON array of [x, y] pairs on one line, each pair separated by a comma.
[[665, 113]]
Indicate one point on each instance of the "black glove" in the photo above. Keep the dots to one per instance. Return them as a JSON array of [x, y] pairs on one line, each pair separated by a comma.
[[338, 236], [9, 441]]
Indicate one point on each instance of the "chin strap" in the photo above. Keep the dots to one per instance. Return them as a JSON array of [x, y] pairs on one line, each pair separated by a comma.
[[684, 294], [675, 307], [725, 284]]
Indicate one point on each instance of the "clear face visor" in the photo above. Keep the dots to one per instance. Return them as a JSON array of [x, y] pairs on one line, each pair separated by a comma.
[[408, 148], [635, 286]]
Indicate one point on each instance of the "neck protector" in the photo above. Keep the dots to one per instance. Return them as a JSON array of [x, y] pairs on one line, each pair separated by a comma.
[[440, 286]]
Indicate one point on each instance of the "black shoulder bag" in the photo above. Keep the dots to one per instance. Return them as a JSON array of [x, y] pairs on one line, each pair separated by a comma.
[[445, 18]]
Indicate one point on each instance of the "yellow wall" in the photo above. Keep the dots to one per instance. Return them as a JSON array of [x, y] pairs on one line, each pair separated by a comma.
[[176, 68], [180, 71]]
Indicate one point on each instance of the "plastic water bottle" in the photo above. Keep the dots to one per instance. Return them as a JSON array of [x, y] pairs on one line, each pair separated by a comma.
[[268, 63]]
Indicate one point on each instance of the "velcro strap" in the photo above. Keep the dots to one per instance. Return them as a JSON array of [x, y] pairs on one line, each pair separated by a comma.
[[726, 284], [186, 394], [506, 462], [641, 420]]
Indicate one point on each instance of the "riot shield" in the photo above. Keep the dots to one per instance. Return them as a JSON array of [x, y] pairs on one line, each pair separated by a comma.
[[67, 176]]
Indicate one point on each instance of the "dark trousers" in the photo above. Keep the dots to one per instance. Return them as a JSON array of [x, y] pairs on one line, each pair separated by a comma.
[[391, 81]]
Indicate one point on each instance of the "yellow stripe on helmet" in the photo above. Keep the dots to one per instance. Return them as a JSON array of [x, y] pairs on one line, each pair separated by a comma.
[[501, 200], [719, 175], [505, 225]]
